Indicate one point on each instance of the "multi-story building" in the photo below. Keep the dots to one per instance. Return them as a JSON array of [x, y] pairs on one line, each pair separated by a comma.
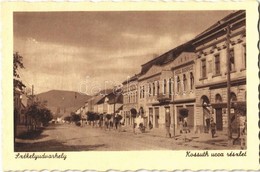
[[190, 81], [183, 68], [211, 71], [130, 99], [149, 89], [166, 85]]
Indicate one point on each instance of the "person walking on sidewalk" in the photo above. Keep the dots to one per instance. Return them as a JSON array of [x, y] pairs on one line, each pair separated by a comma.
[[212, 127], [168, 125]]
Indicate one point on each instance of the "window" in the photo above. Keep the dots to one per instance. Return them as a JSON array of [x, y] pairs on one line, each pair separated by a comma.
[[150, 90], [140, 92], [244, 56], [233, 97], [143, 91], [203, 68], [232, 60], [217, 64], [178, 84], [158, 87], [153, 89], [191, 81], [170, 86], [164, 86], [218, 98], [184, 83], [129, 98]]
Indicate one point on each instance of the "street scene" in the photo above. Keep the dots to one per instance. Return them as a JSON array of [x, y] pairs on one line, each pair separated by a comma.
[[104, 81], [71, 138]]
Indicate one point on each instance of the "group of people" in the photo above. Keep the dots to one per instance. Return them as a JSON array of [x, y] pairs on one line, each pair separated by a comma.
[[107, 122], [114, 122], [210, 126]]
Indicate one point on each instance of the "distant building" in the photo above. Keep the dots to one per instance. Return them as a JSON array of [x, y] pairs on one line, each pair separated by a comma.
[[110, 103], [130, 98]]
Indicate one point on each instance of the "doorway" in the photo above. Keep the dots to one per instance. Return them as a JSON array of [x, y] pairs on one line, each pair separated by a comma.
[[219, 119], [156, 117], [151, 115], [167, 117]]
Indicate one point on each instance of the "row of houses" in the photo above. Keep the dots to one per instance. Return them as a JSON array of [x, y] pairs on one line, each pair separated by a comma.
[[190, 81], [109, 101], [187, 82]]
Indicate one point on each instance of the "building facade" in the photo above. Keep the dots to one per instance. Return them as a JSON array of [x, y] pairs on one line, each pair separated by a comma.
[[211, 72], [183, 68], [130, 99]]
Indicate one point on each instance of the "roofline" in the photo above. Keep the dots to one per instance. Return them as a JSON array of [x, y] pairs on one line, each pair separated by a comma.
[[174, 49], [219, 27]]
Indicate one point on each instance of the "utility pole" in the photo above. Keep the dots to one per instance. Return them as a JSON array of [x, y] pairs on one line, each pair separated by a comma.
[[228, 84], [173, 114]]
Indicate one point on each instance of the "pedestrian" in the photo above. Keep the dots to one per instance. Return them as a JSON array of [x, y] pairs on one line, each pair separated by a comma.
[[207, 124], [187, 130], [134, 125], [243, 135], [168, 125], [181, 124], [150, 125], [212, 127]]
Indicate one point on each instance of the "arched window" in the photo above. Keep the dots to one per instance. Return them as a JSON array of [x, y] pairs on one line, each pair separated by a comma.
[[233, 97], [184, 83], [178, 84], [204, 100], [191, 81], [218, 98]]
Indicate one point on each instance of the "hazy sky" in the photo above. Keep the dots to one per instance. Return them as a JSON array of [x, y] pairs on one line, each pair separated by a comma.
[[67, 50]]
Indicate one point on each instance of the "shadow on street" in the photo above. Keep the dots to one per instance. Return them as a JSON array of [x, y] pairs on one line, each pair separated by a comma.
[[53, 145]]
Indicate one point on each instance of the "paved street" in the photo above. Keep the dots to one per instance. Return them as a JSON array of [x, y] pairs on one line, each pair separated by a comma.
[[68, 137]]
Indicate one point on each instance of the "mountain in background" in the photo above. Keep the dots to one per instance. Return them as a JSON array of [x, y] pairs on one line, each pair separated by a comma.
[[62, 103]]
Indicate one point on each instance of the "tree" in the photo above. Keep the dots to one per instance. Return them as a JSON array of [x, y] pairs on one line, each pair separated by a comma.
[[68, 118], [39, 113], [75, 117], [91, 116], [17, 64]]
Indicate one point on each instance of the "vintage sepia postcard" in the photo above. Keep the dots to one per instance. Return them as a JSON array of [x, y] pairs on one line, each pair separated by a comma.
[[130, 85]]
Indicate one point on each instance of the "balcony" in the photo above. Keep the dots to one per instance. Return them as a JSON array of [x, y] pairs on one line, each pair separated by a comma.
[[163, 97]]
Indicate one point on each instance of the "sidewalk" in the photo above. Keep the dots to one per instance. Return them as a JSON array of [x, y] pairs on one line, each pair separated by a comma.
[[194, 140]]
